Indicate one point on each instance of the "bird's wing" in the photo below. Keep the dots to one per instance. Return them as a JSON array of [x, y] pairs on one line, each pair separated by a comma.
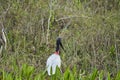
[[52, 62]]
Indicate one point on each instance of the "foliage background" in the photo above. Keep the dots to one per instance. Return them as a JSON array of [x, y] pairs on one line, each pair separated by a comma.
[[89, 28]]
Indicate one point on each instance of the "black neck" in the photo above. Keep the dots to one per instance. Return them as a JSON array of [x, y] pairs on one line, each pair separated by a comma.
[[58, 44], [58, 41]]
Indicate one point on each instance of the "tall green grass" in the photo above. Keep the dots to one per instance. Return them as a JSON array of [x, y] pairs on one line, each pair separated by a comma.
[[27, 72], [90, 34]]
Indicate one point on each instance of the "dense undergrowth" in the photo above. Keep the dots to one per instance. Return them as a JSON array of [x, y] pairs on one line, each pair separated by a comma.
[[90, 34], [27, 72]]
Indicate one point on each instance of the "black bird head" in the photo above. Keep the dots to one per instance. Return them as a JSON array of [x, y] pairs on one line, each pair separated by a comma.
[[58, 44]]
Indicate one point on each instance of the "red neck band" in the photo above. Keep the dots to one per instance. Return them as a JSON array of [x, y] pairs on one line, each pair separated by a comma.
[[57, 52]]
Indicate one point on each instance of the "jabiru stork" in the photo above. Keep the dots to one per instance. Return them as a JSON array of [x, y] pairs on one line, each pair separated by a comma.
[[54, 60]]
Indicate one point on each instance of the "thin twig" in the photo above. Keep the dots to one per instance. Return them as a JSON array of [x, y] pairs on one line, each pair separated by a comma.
[[48, 29], [68, 17]]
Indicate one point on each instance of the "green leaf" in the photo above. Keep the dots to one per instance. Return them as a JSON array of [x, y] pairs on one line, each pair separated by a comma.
[[94, 74], [117, 76]]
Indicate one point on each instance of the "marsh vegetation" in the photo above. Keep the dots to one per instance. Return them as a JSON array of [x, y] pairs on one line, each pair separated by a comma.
[[90, 31]]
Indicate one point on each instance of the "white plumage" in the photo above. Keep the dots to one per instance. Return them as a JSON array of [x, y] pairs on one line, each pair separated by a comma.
[[52, 62]]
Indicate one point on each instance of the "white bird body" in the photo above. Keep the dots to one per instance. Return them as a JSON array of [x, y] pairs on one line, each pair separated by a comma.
[[52, 62]]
